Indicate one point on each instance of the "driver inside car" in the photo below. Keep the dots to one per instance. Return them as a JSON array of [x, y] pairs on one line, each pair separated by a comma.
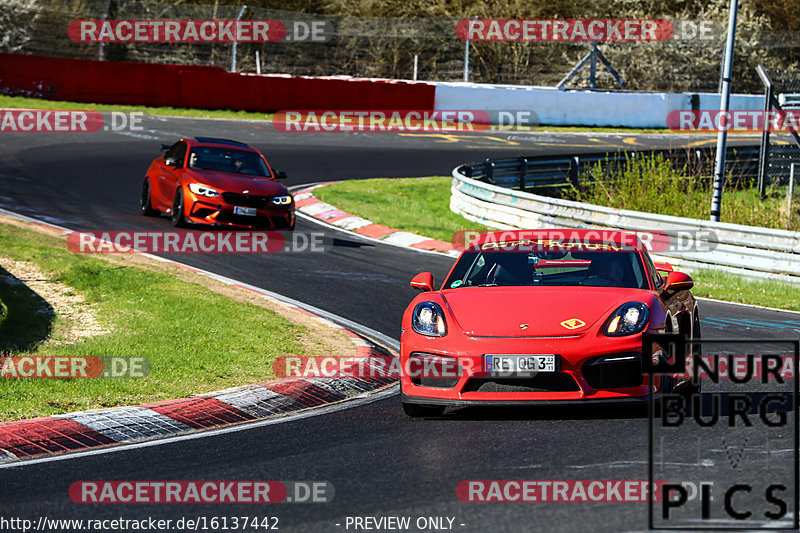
[[609, 268]]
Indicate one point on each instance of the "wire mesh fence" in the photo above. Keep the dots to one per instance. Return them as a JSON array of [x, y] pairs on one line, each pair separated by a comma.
[[386, 48]]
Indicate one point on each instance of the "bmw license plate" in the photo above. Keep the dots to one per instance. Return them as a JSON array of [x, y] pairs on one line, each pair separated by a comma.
[[249, 211], [520, 363]]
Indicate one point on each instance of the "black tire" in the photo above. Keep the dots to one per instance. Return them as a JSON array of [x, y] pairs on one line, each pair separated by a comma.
[[176, 217], [146, 204], [418, 410]]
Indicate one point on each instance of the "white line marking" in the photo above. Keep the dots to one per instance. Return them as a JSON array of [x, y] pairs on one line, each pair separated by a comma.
[[747, 305]]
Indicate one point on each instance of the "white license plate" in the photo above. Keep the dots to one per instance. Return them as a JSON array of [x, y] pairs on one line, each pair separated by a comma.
[[249, 211], [520, 363]]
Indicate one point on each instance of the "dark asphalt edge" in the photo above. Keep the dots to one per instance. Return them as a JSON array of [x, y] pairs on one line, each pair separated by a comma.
[[86, 430]]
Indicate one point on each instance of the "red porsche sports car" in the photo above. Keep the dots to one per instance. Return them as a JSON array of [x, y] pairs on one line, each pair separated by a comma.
[[219, 182], [542, 316]]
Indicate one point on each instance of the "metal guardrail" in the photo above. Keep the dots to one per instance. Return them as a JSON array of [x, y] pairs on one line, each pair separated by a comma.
[[560, 171], [744, 250]]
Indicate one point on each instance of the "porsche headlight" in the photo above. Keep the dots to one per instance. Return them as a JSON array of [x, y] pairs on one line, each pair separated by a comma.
[[203, 190], [282, 200], [628, 319], [428, 319]]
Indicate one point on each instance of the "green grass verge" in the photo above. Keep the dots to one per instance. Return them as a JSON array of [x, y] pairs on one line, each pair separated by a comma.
[[652, 186], [416, 205], [196, 340], [21, 102], [422, 206]]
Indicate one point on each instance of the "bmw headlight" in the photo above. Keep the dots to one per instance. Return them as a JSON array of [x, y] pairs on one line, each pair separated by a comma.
[[282, 200], [428, 319], [203, 190], [628, 319]]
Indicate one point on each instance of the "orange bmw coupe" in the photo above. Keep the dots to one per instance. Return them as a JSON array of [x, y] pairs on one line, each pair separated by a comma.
[[217, 182]]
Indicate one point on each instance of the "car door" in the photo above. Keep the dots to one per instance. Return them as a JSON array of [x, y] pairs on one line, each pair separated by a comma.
[[678, 303], [169, 174]]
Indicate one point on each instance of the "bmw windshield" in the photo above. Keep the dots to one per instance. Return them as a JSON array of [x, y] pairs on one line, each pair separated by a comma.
[[228, 160]]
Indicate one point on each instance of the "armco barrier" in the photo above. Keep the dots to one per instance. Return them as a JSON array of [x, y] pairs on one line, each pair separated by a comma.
[[111, 82], [745, 250], [557, 171]]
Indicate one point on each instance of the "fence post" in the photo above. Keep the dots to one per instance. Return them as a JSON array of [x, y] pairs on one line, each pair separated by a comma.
[[466, 49], [233, 53], [100, 52], [789, 196], [764, 152], [524, 162]]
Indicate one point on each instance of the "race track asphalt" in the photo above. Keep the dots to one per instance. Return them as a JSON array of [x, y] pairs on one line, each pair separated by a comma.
[[380, 462]]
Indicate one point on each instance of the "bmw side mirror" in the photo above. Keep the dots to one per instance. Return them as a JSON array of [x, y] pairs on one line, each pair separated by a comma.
[[280, 175]]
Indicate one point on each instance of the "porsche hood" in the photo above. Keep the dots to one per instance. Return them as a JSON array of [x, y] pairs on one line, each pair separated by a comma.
[[534, 312]]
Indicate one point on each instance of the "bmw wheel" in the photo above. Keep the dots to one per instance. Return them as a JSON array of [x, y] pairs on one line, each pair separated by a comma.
[[146, 203], [177, 210]]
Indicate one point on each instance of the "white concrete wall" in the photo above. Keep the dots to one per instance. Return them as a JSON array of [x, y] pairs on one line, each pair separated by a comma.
[[580, 108]]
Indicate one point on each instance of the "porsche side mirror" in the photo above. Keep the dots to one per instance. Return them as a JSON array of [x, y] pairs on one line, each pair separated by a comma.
[[280, 175], [423, 282], [678, 281]]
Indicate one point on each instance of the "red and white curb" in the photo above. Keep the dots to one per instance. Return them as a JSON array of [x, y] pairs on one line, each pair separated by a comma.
[[103, 427], [310, 205], [85, 430]]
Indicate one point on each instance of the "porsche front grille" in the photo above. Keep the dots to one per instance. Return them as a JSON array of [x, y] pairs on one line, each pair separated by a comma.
[[544, 382]]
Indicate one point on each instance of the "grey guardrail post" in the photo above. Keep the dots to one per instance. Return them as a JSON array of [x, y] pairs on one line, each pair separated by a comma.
[[574, 171], [490, 170], [523, 172]]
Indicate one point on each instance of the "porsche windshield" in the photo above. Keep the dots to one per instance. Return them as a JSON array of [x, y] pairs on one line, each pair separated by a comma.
[[525, 268], [228, 160]]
